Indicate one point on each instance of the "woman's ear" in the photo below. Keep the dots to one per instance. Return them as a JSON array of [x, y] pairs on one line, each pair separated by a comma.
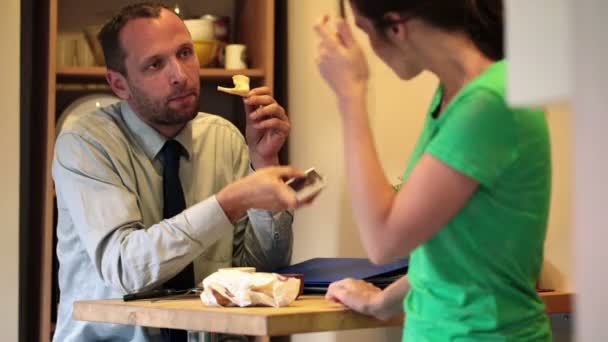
[[396, 28], [119, 84]]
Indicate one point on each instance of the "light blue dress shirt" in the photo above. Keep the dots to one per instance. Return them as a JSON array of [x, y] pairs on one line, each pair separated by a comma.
[[112, 239]]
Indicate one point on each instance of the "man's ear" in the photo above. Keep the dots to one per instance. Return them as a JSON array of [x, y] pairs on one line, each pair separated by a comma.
[[119, 84], [397, 29]]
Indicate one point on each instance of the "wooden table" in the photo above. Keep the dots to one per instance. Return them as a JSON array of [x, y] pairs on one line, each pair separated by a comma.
[[307, 314]]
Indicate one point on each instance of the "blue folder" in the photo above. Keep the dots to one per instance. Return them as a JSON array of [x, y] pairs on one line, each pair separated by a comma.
[[320, 272]]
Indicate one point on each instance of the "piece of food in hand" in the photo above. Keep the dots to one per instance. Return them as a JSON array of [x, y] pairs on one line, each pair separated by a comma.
[[241, 86], [238, 288]]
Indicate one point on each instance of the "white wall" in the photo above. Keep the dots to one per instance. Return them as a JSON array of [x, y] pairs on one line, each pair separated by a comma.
[[9, 172], [538, 52], [591, 160]]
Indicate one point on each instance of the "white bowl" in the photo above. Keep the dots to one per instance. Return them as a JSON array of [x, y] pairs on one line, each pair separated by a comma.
[[200, 29]]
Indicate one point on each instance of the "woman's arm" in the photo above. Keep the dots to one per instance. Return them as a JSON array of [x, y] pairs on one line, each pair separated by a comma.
[[391, 224], [367, 299]]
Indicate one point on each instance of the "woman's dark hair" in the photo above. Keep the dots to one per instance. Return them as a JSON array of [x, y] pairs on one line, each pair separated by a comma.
[[109, 36], [481, 20]]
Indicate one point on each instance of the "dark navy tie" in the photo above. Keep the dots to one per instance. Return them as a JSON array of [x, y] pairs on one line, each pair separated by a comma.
[[173, 204]]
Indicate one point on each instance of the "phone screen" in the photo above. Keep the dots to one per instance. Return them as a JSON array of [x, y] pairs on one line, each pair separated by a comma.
[[307, 186], [299, 183]]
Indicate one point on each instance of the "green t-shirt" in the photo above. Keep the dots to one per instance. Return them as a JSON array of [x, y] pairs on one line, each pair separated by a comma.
[[475, 279]]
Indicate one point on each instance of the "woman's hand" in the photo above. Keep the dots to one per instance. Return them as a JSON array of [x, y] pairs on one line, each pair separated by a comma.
[[367, 299], [341, 61], [358, 295]]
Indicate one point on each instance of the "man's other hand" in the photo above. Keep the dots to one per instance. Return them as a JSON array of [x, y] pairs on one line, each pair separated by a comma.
[[267, 127]]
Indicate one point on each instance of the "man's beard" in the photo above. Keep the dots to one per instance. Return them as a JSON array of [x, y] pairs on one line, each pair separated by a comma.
[[159, 112]]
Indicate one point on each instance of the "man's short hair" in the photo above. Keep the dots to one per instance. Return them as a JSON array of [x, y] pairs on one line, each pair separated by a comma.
[[109, 36]]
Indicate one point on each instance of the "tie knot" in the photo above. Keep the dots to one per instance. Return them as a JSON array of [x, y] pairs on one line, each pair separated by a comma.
[[171, 152]]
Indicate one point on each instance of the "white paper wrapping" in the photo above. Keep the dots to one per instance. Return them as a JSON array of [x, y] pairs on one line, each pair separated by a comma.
[[233, 287]]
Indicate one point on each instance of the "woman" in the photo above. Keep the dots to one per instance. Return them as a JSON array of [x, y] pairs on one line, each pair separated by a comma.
[[472, 210]]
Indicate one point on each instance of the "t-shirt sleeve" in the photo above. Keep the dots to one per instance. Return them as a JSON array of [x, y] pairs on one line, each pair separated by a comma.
[[478, 138]]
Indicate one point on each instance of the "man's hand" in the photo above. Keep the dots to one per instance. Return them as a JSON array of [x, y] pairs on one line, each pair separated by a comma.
[[267, 127], [264, 189]]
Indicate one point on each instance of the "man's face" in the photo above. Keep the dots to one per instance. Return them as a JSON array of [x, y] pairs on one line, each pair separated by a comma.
[[162, 70]]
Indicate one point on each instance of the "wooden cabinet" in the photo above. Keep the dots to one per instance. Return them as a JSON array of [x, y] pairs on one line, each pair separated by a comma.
[[252, 23]]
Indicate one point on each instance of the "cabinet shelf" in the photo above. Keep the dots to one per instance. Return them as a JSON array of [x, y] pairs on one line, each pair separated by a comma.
[[98, 73]]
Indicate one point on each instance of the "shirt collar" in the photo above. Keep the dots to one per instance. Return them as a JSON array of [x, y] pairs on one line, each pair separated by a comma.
[[150, 139], [184, 137]]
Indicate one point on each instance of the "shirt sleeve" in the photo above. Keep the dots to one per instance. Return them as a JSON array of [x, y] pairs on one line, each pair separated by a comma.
[[262, 239], [478, 137], [104, 209]]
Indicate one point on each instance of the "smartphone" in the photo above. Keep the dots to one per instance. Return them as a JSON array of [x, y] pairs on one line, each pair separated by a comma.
[[308, 186]]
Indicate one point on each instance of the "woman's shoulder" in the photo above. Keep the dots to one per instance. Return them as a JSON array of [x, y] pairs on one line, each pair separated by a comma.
[[492, 83], [488, 92]]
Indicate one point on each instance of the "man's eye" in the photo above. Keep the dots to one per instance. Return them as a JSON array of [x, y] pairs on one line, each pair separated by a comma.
[[155, 65], [185, 53]]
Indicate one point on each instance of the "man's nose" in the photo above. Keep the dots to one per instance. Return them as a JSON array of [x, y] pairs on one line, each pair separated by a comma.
[[177, 73]]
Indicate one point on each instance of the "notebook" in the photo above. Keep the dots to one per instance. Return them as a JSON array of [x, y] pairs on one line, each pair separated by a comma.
[[320, 272]]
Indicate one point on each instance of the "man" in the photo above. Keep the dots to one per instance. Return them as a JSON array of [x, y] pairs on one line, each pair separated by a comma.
[[126, 222]]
